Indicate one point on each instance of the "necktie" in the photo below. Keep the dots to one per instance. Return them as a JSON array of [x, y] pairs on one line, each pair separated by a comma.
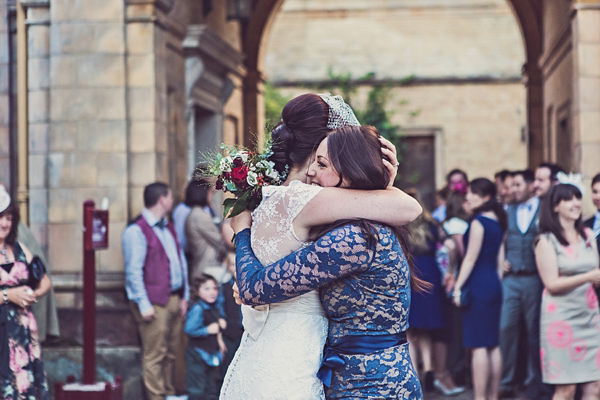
[[161, 224]]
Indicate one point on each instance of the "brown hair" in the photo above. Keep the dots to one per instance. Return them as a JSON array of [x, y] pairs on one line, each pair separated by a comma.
[[199, 281], [12, 210], [455, 203], [303, 126], [355, 153], [484, 187], [549, 222]]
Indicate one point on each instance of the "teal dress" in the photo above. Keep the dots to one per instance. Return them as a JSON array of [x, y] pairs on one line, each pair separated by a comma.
[[481, 317], [365, 292]]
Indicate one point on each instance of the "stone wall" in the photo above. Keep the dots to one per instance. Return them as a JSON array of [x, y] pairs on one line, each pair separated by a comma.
[[464, 58]]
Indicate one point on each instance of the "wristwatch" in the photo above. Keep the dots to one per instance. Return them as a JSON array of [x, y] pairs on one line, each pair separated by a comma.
[[5, 295]]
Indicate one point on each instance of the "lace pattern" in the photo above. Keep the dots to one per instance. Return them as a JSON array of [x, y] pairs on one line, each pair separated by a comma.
[[365, 291], [281, 350]]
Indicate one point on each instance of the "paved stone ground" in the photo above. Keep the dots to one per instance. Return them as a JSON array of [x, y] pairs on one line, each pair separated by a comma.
[[466, 395]]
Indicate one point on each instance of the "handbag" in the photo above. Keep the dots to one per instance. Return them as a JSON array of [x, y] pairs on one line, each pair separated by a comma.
[[36, 270]]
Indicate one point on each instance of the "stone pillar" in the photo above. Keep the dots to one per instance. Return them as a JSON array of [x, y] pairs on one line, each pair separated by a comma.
[[38, 77], [586, 88], [6, 173], [87, 137], [254, 109], [535, 114]]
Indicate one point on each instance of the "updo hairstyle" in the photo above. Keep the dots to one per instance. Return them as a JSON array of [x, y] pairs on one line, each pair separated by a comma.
[[302, 128]]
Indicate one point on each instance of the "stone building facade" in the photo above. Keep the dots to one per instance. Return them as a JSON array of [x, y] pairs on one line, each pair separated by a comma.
[[463, 100], [120, 93]]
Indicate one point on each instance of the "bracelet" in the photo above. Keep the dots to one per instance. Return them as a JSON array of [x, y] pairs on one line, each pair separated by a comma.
[[5, 295], [456, 294]]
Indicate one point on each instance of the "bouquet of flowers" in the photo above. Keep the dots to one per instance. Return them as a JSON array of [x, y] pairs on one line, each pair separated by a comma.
[[243, 173]]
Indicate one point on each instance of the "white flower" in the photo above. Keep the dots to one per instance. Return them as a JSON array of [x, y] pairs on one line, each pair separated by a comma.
[[251, 178], [273, 174], [244, 156], [263, 165], [225, 165]]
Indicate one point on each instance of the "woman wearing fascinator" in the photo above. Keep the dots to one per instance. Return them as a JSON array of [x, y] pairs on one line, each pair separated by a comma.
[[567, 260], [21, 369], [282, 347]]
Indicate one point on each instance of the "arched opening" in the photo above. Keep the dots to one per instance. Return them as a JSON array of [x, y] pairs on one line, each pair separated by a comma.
[[528, 17]]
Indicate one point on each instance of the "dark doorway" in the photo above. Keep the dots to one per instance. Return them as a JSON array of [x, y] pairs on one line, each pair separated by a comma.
[[417, 167]]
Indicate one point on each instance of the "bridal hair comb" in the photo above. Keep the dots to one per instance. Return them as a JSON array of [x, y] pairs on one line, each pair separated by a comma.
[[340, 113], [571, 179]]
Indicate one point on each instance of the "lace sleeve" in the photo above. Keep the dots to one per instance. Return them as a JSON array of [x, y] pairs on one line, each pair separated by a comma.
[[338, 253]]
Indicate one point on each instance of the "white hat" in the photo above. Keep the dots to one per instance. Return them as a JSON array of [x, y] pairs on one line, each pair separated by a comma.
[[4, 198]]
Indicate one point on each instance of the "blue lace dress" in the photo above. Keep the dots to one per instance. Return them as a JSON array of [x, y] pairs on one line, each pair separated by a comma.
[[364, 290]]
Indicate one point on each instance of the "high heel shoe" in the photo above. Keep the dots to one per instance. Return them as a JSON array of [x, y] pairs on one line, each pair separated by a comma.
[[445, 391]]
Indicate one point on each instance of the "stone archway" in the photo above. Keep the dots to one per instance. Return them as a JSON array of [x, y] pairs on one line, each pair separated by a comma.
[[529, 18]]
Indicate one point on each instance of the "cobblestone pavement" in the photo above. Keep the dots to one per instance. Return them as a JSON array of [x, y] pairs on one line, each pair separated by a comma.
[[466, 395]]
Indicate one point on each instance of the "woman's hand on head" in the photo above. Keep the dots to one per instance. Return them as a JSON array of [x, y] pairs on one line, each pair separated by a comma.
[[241, 221], [390, 159]]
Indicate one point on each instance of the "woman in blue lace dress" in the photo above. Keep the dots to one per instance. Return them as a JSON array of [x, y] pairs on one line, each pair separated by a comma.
[[363, 275]]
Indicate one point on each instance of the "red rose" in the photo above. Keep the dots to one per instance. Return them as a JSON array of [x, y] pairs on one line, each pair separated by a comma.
[[239, 174], [219, 184], [237, 162]]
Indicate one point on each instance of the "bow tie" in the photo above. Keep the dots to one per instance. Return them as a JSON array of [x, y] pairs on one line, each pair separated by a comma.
[[162, 224], [528, 207]]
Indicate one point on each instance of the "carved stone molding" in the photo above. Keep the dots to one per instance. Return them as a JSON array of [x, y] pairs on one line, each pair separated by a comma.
[[164, 5], [204, 42]]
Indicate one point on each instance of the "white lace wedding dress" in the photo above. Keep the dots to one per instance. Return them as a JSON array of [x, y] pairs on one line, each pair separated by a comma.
[[282, 346]]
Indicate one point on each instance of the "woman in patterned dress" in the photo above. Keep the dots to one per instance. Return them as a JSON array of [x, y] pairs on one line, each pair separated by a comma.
[[281, 349], [567, 260], [21, 369], [363, 275]]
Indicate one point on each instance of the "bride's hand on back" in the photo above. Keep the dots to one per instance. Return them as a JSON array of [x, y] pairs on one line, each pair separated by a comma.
[[241, 221], [390, 159]]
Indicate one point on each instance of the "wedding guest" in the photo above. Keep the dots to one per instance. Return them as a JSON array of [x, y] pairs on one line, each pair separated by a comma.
[[204, 325], [426, 314], [478, 289], [456, 181], [203, 231], [503, 186], [521, 288], [21, 368], [157, 287], [449, 355], [180, 214], [440, 203], [567, 261], [545, 178], [594, 222]]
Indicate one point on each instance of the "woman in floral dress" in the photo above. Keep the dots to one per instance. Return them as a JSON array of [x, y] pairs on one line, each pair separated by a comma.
[[21, 368], [567, 260]]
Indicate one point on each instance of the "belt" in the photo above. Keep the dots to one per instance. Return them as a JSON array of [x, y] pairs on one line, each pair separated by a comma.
[[354, 345], [522, 273], [178, 292]]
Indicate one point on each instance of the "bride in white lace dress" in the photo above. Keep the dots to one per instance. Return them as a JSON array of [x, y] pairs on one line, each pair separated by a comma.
[[281, 349]]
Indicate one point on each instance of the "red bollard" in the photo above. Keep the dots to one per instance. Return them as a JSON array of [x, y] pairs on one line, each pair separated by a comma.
[[89, 297], [95, 237]]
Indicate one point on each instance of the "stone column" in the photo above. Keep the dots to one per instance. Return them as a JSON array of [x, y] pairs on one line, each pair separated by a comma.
[[535, 114], [586, 88], [87, 153], [38, 77], [6, 173]]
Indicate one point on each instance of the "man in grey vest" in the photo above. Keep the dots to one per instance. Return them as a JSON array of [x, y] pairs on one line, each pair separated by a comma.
[[522, 287]]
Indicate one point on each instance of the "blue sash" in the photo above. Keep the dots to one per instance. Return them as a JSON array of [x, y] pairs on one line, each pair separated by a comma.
[[354, 345]]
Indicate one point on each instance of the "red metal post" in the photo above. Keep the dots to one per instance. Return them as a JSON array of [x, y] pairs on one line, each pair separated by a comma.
[[89, 297]]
